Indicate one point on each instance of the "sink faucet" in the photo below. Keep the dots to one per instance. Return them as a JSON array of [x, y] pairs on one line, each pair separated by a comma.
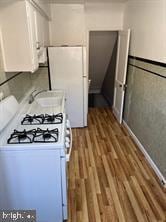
[[32, 95]]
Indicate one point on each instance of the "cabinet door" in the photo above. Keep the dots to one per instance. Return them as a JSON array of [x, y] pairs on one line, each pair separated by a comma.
[[17, 40], [46, 33], [32, 35], [39, 28], [22, 31], [42, 30]]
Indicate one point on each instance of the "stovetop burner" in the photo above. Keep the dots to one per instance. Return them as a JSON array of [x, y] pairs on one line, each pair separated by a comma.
[[34, 136], [32, 120], [25, 136], [46, 136], [53, 119], [42, 119]]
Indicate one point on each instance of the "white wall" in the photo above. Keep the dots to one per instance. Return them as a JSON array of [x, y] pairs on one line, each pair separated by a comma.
[[45, 6], [71, 21], [147, 21], [67, 26], [104, 16]]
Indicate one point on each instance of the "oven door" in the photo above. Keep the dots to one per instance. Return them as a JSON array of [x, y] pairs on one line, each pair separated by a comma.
[[64, 187], [64, 159]]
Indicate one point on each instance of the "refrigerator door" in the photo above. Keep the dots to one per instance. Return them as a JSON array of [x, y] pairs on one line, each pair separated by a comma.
[[66, 70]]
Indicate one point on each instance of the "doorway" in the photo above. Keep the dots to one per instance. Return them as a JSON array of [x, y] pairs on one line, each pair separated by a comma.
[[102, 67]]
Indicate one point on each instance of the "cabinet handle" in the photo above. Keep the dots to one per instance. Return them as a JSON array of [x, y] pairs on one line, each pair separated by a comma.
[[38, 45]]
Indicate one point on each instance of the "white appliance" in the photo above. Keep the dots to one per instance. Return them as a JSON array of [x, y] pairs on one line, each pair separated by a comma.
[[33, 163], [68, 72]]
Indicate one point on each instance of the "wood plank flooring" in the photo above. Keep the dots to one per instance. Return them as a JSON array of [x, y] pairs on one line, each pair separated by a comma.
[[109, 178]]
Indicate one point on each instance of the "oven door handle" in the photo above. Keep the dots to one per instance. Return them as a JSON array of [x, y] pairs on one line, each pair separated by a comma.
[[71, 142]]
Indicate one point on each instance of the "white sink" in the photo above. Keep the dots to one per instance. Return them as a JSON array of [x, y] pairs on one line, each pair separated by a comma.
[[50, 98]]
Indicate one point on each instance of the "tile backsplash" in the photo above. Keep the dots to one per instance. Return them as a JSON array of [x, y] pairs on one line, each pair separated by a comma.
[[18, 86], [40, 78]]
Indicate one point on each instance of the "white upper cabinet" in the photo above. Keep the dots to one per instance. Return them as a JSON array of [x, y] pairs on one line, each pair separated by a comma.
[[46, 33], [42, 36], [39, 22], [22, 36], [30, 10]]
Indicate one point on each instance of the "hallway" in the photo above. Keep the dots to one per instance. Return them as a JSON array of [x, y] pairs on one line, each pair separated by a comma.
[[109, 178]]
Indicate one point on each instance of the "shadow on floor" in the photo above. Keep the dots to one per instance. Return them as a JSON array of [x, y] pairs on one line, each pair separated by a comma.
[[97, 100]]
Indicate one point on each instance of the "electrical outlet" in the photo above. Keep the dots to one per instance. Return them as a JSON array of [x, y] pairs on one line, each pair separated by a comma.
[[1, 95]]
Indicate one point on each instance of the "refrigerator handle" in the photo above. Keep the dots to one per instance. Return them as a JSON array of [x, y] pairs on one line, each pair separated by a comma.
[[84, 61]]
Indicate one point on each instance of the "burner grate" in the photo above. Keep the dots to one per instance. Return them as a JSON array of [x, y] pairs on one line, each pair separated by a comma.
[[46, 136], [53, 119], [34, 136], [32, 120], [42, 119], [24, 136]]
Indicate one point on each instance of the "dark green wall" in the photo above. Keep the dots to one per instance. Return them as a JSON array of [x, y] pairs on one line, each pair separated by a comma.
[[145, 109]]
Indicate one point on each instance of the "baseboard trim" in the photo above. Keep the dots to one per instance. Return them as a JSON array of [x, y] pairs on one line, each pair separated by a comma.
[[148, 158]]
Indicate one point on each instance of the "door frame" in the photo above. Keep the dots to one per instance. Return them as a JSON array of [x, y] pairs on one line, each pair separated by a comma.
[[87, 50], [88, 40]]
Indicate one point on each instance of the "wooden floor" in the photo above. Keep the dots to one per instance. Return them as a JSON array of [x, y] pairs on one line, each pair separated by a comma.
[[109, 178]]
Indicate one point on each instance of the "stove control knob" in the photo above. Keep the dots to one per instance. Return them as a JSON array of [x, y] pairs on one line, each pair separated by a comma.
[[67, 144], [67, 123], [67, 132], [67, 139]]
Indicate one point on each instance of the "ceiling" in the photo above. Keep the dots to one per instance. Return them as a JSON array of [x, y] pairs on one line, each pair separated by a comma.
[[83, 1]]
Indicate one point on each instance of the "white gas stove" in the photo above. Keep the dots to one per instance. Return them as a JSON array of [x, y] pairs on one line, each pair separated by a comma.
[[34, 149], [30, 131]]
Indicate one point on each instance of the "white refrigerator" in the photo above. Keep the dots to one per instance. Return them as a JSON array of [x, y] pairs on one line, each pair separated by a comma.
[[68, 71]]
